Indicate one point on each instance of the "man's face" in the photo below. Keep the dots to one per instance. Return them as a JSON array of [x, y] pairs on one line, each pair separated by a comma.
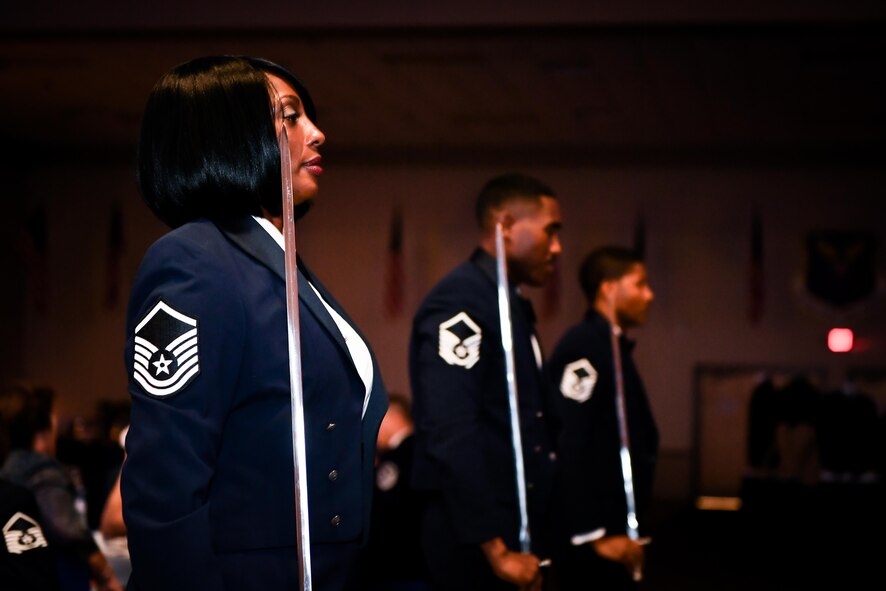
[[532, 241], [632, 297]]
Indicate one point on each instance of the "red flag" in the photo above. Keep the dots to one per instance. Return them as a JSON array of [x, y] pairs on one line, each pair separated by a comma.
[[393, 283], [756, 278], [115, 254]]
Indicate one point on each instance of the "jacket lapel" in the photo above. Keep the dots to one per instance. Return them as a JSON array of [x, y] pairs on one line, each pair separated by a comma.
[[252, 239]]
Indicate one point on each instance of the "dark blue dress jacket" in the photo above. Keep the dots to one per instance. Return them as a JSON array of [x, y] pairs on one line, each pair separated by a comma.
[[208, 482], [463, 444], [590, 491]]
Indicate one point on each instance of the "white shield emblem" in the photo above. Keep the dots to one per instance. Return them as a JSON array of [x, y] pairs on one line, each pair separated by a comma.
[[22, 534], [579, 378], [166, 357], [460, 341]]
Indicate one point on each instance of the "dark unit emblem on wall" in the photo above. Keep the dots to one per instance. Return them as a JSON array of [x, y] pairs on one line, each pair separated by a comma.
[[841, 266]]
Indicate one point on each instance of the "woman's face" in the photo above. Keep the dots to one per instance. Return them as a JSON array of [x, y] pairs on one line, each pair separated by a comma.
[[304, 139]]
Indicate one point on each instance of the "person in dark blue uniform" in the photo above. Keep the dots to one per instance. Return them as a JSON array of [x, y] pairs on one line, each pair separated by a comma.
[[593, 549], [29, 431], [464, 458], [26, 560], [208, 481]]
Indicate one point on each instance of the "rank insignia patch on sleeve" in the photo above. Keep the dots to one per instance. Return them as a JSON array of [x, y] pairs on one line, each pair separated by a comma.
[[460, 341], [166, 357], [578, 381], [22, 533]]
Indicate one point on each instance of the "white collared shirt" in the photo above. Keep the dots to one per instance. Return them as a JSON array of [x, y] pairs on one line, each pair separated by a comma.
[[358, 349]]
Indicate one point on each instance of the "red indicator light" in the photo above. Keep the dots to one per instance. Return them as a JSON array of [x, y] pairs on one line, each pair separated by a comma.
[[840, 340]]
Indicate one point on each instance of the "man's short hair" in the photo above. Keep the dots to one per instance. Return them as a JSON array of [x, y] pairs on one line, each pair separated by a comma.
[[605, 264], [505, 188]]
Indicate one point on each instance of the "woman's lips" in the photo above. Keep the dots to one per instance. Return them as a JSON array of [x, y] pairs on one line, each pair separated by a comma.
[[313, 166]]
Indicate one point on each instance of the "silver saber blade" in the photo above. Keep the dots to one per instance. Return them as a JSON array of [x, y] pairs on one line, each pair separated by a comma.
[[507, 343], [299, 451], [625, 453]]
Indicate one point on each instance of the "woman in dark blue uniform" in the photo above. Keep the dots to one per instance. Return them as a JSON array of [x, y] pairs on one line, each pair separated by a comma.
[[207, 486]]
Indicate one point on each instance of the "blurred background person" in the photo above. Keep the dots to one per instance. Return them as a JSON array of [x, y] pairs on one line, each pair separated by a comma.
[[91, 444], [111, 535], [30, 424], [593, 549], [393, 560], [26, 561]]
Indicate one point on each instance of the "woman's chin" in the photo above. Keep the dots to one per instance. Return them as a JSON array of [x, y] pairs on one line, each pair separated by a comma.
[[301, 208]]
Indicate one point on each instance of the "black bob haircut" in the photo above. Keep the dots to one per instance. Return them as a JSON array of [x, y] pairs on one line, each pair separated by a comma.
[[605, 264], [508, 187], [208, 145]]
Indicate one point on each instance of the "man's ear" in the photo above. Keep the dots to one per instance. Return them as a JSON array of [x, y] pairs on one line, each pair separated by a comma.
[[608, 288], [505, 218], [605, 301]]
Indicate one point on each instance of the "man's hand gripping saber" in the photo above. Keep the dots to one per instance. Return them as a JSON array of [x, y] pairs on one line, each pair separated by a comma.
[[299, 452]]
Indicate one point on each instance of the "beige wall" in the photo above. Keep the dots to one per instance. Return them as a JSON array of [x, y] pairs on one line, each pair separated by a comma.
[[698, 232]]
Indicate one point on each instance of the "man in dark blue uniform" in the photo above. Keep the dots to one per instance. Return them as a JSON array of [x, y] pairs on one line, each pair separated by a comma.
[[593, 549], [208, 482], [28, 430], [464, 458], [26, 560]]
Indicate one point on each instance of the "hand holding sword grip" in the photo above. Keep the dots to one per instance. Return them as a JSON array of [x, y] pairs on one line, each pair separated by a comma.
[[518, 568], [621, 548]]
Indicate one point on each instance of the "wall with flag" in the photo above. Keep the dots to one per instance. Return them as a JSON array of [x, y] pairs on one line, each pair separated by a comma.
[[393, 283], [71, 301], [380, 237]]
